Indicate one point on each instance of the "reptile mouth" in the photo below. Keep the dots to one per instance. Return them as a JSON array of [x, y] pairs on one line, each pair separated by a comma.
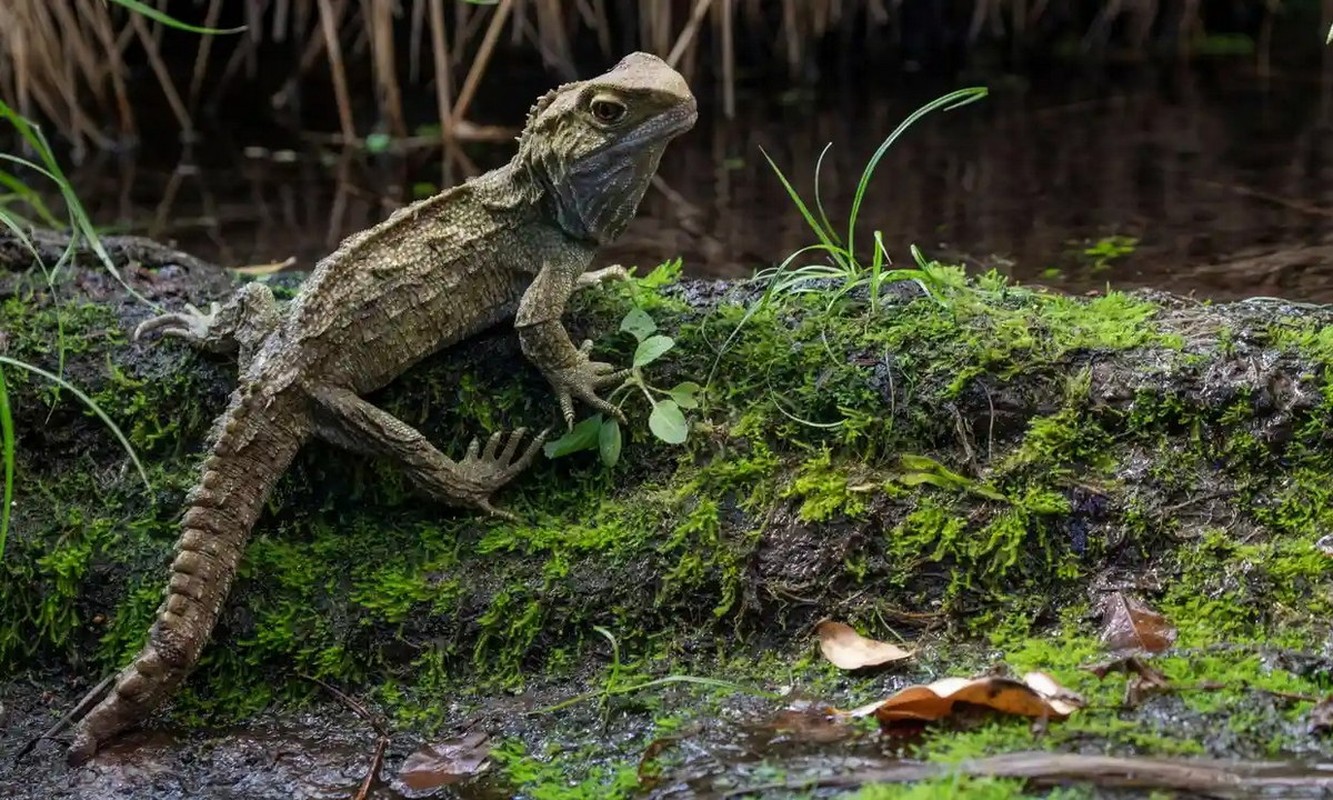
[[666, 125]]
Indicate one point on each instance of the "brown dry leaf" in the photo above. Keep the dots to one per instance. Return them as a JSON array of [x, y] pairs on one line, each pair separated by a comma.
[[1143, 679], [804, 722], [1037, 695], [446, 762], [264, 269], [847, 649], [1128, 624]]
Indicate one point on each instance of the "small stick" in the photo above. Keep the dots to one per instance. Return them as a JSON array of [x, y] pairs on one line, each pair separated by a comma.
[[376, 760], [77, 713], [358, 709]]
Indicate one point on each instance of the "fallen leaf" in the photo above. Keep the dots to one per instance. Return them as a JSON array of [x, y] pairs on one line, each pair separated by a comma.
[[862, 711], [446, 762], [1129, 625], [804, 721], [847, 649], [1143, 679], [1066, 701], [1037, 695], [1321, 717], [264, 269]]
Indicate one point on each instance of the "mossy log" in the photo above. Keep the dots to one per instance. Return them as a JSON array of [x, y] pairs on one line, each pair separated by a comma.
[[974, 459]]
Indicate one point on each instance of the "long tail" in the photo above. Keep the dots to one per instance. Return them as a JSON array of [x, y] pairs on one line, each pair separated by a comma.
[[254, 442]]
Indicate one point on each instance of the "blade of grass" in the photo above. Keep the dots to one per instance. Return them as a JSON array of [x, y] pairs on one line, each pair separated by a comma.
[[172, 22], [7, 453], [92, 406], [948, 102], [819, 202], [833, 248], [714, 683], [876, 265], [25, 193], [79, 220]]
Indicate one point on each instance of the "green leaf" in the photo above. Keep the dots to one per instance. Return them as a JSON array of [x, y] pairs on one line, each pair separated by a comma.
[[608, 442], [651, 349], [378, 142], [686, 394], [667, 423], [583, 437], [171, 22], [638, 323]]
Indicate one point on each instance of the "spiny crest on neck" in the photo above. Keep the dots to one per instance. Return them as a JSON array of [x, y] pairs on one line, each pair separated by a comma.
[[543, 103]]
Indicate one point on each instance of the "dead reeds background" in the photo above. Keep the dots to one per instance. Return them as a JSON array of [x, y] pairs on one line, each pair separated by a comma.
[[68, 61]]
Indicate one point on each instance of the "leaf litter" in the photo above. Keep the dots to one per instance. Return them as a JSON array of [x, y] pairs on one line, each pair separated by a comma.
[[1129, 625], [447, 762], [847, 649]]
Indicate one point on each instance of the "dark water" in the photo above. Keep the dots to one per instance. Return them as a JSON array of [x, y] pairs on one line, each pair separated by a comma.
[[1201, 169]]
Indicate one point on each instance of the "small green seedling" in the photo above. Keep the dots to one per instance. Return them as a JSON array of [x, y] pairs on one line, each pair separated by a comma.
[[1103, 252], [666, 420]]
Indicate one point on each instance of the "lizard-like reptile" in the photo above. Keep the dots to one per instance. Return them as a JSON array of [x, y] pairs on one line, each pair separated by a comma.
[[514, 242]]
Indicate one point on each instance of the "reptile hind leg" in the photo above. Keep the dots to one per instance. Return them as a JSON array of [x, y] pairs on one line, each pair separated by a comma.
[[344, 419], [238, 326]]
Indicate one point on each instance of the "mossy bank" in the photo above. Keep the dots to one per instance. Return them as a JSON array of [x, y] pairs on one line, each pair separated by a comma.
[[966, 469]]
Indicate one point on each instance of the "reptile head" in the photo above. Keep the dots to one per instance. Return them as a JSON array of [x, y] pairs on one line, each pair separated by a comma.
[[594, 145]]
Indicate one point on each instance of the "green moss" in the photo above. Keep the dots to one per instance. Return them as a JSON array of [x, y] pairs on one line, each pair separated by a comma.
[[352, 578], [826, 490], [539, 778]]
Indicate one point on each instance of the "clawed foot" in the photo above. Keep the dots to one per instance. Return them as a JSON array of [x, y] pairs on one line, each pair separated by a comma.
[[599, 276], [582, 380], [492, 467], [192, 325]]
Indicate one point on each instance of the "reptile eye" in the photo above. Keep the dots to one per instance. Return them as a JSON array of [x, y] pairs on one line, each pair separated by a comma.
[[607, 110]]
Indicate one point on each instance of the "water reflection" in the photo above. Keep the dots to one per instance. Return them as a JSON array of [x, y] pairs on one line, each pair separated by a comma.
[[1202, 166]]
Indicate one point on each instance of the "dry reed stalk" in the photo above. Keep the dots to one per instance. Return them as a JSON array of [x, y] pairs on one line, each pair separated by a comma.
[[330, 28], [439, 45], [728, 62], [418, 25], [66, 59], [553, 32], [380, 30], [482, 59], [163, 74], [205, 47]]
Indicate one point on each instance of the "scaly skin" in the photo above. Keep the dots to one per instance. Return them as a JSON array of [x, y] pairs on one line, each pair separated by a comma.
[[515, 242]]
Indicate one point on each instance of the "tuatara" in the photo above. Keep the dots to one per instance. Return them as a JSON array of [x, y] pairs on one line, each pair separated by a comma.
[[512, 243]]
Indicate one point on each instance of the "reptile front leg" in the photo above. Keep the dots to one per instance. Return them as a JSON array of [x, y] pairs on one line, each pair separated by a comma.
[[344, 419], [238, 326], [546, 343], [597, 277]]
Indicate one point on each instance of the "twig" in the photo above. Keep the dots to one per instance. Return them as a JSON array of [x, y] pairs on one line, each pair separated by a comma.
[[1216, 778], [92, 698], [358, 709], [376, 760]]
